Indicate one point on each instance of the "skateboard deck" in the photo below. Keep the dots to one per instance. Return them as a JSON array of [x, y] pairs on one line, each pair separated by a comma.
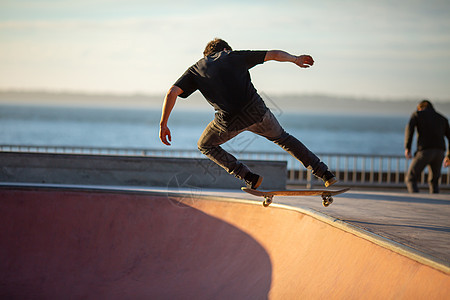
[[326, 195]]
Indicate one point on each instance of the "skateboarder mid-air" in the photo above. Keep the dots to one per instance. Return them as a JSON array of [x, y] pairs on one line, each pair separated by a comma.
[[223, 78]]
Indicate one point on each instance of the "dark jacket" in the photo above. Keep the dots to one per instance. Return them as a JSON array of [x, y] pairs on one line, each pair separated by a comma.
[[431, 127]]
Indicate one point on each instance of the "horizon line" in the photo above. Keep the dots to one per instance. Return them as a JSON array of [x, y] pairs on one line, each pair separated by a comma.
[[137, 94]]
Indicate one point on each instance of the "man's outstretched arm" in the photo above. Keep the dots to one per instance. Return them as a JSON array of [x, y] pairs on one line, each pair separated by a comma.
[[303, 61], [409, 133], [169, 103]]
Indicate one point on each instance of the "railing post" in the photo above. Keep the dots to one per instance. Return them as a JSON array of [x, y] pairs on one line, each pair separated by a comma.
[[380, 171], [309, 184], [372, 177]]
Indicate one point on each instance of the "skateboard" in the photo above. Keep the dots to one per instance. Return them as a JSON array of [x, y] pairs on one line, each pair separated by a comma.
[[327, 198]]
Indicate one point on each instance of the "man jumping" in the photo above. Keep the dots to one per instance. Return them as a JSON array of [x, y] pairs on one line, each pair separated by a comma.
[[223, 78]]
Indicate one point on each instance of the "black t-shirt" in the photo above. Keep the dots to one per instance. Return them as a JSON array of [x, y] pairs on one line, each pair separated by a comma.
[[224, 80]]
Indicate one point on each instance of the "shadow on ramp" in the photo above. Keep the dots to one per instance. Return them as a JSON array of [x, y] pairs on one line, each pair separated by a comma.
[[95, 245]]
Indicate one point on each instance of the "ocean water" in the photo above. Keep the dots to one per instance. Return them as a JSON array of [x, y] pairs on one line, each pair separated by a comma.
[[138, 128]]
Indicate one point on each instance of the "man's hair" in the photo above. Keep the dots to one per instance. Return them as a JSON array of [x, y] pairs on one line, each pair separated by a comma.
[[424, 104], [215, 46]]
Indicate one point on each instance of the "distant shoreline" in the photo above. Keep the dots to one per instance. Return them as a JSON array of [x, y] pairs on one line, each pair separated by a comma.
[[78, 99], [283, 103]]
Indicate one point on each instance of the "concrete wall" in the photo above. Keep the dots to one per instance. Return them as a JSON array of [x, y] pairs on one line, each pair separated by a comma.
[[131, 171]]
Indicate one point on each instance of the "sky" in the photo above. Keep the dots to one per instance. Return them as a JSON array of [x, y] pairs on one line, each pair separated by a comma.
[[386, 49]]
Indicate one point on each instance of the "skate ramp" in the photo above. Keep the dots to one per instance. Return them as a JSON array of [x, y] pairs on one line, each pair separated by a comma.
[[58, 244]]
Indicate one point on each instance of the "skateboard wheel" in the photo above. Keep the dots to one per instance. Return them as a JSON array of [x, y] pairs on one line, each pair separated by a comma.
[[267, 201], [327, 201]]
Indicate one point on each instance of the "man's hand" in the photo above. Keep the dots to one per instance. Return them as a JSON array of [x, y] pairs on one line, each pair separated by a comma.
[[446, 162], [164, 135], [304, 61], [408, 154]]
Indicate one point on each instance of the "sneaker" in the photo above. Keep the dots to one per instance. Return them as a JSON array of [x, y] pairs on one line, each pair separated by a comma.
[[329, 178], [252, 180]]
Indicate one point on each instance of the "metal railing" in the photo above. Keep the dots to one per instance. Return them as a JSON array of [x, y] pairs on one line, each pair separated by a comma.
[[351, 169]]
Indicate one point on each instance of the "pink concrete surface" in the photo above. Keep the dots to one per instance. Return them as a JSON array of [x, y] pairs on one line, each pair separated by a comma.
[[63, 244]]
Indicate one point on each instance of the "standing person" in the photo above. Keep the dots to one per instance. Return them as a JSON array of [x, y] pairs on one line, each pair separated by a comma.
[[223, 78], [431, 127]]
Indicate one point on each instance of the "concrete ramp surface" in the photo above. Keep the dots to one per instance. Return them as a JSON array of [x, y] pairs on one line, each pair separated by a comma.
[[86, 244]]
